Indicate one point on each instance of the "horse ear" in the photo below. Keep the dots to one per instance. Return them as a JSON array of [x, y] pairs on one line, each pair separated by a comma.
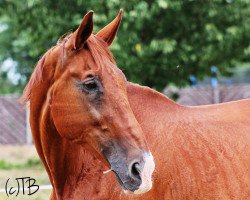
[[84, 30], [108, 33]]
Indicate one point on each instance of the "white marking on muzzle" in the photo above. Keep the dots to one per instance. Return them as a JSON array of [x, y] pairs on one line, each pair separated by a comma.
[[146, 174]]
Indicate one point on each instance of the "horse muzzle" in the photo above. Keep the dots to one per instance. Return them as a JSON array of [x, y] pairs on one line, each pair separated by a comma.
[[134, 172], [129, 177], [137, 177]]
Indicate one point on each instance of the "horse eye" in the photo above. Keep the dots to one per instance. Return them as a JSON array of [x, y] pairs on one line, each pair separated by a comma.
[[90, 85]]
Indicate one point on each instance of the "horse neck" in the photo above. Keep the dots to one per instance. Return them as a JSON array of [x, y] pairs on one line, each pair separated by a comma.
[[155, 113], [147, 101]]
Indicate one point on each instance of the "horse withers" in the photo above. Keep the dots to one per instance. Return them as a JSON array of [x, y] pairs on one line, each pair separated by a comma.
[[81, 119]]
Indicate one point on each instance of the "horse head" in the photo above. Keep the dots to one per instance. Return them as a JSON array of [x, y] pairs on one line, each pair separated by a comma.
[[88, 103]]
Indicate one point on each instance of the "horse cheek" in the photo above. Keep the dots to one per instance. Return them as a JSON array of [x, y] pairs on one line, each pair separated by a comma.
[[70, 121]]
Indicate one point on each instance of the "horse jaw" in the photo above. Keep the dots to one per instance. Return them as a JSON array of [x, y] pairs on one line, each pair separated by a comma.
[[146, 175]]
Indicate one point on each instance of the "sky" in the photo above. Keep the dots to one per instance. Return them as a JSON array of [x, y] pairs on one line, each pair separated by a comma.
[[9, 66]]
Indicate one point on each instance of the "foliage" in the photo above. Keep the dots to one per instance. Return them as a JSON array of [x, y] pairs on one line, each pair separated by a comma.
[[7, 87], [160, 41], [30, 163]]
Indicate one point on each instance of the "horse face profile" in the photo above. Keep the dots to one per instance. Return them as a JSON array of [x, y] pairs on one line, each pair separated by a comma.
[[88, 104]]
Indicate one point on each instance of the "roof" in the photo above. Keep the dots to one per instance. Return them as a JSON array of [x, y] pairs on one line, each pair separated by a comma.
[[204, 95], [12, 121]]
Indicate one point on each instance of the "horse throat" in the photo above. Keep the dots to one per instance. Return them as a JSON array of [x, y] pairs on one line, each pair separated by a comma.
[[75, 170]]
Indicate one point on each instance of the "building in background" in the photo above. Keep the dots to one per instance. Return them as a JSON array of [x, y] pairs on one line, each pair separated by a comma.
[[14, 122], [205, 94], [213, 89]]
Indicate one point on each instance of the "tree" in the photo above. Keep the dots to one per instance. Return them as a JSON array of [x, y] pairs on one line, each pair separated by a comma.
[[160, 42]]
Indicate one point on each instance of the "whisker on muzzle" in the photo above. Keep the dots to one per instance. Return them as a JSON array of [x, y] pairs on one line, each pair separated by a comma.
[[107, 171]]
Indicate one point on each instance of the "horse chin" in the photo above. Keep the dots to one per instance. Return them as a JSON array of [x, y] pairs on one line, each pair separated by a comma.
[[142, 189], [145, 187], [125, 185]]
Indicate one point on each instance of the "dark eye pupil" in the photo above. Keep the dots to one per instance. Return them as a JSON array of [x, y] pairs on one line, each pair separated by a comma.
[[91, 86]]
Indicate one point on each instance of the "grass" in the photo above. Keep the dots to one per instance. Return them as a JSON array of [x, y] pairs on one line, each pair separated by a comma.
[[22, 161], [30, 163], [40, 195]]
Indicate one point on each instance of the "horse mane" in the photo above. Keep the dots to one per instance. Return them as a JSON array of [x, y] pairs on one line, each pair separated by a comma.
[[35, 77], [97, 47]]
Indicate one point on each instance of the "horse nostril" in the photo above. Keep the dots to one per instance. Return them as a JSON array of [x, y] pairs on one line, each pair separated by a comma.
[[136, 170]]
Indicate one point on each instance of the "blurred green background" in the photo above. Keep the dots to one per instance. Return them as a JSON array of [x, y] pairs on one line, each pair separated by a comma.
[[160, 42]]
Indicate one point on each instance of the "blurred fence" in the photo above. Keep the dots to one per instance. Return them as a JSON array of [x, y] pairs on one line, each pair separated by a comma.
[[205, 95], [14, 119]]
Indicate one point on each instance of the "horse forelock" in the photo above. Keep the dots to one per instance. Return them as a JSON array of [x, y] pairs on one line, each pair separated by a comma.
[[98, 50]]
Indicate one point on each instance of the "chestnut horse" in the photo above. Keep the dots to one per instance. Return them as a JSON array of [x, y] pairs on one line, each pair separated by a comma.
[[86, 118]]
